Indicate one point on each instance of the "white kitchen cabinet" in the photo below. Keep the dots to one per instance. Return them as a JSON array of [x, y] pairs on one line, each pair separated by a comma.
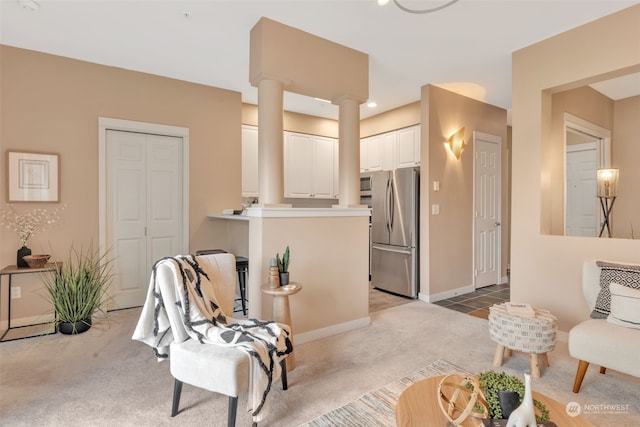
[[309, 170], [249, 161], [407, 147], [323, 167], [371, 153], [388, 152], [378, 152]]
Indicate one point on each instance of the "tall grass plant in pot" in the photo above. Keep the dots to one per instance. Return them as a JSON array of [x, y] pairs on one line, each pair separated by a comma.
[[78, 289]]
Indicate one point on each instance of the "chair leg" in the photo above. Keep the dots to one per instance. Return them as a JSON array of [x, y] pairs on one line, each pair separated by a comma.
[[233, 408], [283, 376], [582, 369], [242, 280], [177, 390], [497, 358]]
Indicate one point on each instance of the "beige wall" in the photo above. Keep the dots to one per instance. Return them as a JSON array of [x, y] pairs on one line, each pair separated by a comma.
[[398, 118], [447, 239], [307, 64], [587, 104], [546, 270], [295, 122], [52, 104], [625, 155], [333, 270]]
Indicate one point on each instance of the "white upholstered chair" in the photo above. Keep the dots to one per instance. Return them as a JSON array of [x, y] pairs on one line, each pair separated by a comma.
[[217, 368], [600, 342]]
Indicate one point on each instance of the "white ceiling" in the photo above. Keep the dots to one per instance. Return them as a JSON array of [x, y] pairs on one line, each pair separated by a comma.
[[465, 48]]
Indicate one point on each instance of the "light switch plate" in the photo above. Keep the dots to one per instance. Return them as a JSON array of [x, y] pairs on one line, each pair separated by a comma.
[[435, 209]]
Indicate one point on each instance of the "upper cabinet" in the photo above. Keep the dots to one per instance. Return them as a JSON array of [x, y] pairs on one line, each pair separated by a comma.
[[249, 161], [408, 147], [396, 149], [309, 166], [371, 154]]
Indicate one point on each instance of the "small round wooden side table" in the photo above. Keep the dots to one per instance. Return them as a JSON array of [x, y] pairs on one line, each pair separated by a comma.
[[418, 406], [281, 311]]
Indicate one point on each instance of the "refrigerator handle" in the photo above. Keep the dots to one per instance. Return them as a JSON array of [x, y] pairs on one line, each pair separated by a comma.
[[398, 250], [387, 202], [392, 203], [386, 197]]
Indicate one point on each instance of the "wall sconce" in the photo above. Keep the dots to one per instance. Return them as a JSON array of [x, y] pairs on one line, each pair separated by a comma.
[[456, 143], [607, 193]]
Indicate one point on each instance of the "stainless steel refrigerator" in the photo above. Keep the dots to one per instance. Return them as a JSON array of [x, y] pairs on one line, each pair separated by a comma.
[[395, 221]]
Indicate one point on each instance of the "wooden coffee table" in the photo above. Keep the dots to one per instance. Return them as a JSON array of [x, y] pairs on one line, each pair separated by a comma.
[[418, 406]]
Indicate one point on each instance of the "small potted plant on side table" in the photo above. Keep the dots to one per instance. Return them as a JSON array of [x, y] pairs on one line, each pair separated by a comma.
[[283, 267]]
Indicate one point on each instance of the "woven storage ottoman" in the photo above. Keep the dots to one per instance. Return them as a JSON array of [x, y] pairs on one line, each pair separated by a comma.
[[533, 335]]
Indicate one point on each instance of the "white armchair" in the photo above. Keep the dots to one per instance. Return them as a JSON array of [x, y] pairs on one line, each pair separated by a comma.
[[222, 368], [600, 341]]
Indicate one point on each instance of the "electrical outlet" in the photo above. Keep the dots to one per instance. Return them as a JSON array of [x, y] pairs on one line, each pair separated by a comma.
[[435, 209], [16, 292]]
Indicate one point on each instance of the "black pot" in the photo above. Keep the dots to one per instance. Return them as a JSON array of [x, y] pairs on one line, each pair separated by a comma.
[[73, 328], [509, 400], [22, 252], [284, 279]]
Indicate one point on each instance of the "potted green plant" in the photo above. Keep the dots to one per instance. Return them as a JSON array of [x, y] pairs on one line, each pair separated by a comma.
[[494, 383], [78, 288], [283, 267]]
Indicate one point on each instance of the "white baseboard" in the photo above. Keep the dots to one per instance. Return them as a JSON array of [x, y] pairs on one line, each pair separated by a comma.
[[447, 294], [504, 280], [317, 334]]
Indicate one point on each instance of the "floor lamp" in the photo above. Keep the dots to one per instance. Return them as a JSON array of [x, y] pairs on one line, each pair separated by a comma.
[[607, 192]]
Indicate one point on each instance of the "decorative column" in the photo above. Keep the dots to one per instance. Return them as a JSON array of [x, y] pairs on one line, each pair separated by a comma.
[[270, 143], [349, 152]]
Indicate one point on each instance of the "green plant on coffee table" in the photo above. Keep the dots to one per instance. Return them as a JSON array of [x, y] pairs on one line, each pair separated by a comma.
[[492, 382], [283, 264], [78, 287]]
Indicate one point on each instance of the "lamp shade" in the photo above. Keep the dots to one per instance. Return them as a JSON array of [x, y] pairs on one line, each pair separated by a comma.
[[607, 182]]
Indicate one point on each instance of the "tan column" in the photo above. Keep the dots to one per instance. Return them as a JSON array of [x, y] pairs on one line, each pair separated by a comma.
[[349, 152], [270, 143]]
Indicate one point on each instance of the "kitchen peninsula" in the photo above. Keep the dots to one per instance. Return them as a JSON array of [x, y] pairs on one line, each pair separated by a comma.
[[329, 254]]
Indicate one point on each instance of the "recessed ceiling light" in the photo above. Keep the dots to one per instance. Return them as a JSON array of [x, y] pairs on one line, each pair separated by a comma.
[[372, 104]]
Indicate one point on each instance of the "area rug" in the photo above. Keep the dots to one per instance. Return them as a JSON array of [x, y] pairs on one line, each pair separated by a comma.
[[377, 408]]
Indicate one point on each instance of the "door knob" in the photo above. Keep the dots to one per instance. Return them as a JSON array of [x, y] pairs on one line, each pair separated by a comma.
[[497, 224]]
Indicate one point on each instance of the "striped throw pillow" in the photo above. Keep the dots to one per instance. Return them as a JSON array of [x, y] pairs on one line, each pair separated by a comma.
[[622, 274]]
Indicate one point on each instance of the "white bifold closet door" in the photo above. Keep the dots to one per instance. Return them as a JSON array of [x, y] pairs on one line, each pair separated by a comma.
[[144, 208]]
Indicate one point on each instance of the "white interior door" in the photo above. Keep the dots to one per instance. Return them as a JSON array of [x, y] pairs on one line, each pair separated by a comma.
[[486, 234], [143, 207], [581, 200]]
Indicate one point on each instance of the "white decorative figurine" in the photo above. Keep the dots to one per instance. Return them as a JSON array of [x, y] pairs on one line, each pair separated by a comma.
[[524, 415]]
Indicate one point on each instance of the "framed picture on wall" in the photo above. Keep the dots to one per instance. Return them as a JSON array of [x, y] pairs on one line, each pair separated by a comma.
[[32, 177]]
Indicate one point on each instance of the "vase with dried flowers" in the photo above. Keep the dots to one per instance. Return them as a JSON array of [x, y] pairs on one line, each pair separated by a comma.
[[28, 224]]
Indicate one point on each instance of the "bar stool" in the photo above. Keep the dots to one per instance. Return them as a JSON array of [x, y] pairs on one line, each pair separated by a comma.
[[242, 267]]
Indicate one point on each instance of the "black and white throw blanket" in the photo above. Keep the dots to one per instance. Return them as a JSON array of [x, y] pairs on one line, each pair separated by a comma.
[[265, 342]]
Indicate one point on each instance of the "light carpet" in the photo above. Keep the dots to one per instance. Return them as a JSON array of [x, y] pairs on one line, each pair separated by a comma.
[[103, 378], [377, 408]]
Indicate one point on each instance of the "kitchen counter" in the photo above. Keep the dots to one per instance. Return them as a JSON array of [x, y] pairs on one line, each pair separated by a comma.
[[231, 217]]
